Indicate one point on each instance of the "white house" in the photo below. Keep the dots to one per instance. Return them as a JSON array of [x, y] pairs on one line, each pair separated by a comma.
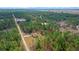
[[44, 23], [20, 19], [77, 27]]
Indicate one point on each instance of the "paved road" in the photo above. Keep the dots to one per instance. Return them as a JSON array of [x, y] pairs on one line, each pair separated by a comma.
[[25, 45]]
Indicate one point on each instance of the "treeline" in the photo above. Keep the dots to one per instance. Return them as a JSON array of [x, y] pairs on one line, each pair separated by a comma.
[[10, 40], [6, 23], [45, 15], [9, 36], [57, 41], [5, 15]]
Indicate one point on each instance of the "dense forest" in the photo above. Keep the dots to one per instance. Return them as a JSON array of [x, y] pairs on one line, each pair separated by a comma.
[[53, 31], [9, 37]]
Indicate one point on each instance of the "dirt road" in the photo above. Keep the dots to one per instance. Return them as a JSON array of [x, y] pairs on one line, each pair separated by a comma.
[[24, 43]]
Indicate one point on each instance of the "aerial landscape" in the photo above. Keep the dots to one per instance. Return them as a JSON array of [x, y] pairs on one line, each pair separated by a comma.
[[39, 29]]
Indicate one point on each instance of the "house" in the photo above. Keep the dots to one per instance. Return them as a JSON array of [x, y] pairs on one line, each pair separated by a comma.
[[77, 27], [44, 23], [20, 19]]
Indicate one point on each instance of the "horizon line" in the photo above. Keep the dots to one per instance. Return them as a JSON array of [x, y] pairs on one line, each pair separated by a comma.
[[39, 7]]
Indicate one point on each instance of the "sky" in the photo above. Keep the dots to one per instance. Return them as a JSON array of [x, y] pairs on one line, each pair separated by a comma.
[[39, 3]]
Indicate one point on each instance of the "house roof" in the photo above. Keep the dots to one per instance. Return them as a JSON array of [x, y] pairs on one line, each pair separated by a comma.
[[20, 19]]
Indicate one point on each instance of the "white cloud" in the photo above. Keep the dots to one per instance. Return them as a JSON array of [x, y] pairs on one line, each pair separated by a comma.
[[39, 3]]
